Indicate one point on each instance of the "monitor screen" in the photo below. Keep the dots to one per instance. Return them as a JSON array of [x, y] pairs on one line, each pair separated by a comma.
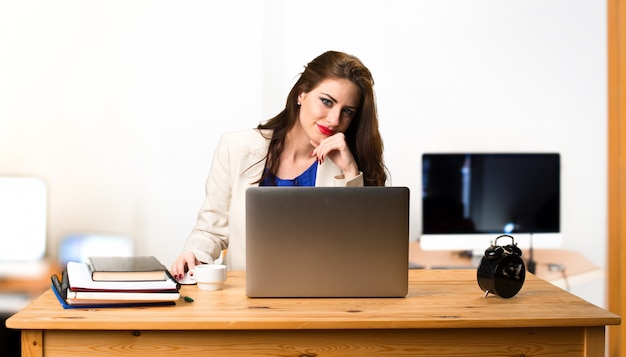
[[490, 194]]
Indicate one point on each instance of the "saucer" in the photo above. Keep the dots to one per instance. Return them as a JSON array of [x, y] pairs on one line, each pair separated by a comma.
[[187, 280]]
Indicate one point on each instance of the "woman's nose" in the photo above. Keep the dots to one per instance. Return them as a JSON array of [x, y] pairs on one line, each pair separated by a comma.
[[333, 118]]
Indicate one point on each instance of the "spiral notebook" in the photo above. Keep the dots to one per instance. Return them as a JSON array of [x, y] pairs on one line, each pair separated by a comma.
[[327, 241]]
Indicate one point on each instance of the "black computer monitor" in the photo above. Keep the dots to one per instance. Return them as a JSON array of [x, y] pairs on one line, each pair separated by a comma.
[[468, 199]]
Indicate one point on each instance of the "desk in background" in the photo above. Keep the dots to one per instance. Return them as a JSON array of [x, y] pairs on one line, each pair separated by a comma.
[[444, 314], [563, 268]]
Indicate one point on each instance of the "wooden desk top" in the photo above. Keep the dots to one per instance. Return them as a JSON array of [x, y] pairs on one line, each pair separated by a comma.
[[436, 299]]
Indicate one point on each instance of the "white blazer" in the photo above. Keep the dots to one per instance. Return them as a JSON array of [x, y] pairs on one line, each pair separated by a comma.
[[238, 162]]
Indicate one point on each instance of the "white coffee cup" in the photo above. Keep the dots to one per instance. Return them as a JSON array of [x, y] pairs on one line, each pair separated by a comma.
[[209, 276]]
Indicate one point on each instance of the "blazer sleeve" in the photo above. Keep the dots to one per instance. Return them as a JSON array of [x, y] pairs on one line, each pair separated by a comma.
[[356, 181], [329, 174], [210, 234]]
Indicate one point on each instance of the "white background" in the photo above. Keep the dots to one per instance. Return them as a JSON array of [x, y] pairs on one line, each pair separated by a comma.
[[118, 104]]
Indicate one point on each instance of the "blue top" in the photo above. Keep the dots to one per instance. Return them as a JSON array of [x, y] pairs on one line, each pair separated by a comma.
[[307, 178]]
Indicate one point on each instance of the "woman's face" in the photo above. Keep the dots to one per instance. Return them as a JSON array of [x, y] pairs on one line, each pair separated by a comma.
[[328, 108]]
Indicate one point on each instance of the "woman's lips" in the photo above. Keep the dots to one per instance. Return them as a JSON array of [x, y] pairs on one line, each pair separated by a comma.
[[325, 130]]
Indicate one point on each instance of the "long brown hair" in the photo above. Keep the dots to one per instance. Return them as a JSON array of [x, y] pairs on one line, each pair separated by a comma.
[[362, 136]]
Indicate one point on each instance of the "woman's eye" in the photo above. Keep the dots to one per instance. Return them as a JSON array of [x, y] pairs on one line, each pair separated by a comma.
[[348, 111], [326, 101]]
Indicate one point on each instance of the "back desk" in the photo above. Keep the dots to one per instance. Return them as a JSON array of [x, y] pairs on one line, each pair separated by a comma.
[[444, 314]]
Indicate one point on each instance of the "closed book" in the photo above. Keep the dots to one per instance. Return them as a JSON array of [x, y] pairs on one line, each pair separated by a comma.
[[133, 268], [79, 277], [103, 297], [77, 289], [92, 304]]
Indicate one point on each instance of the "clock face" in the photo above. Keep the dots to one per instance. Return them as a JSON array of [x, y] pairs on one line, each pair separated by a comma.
[[509, 276], [502, 276]]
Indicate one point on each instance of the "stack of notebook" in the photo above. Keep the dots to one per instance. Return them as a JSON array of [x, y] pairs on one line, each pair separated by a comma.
[[116, 281]]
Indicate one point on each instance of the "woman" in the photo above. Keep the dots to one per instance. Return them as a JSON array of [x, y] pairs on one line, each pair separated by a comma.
[[327, 135]]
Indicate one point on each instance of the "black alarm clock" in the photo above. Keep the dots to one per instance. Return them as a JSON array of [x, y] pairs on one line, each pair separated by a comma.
[[501, 271]]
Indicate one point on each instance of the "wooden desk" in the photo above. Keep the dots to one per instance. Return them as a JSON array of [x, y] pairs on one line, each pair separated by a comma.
[[444, 314]]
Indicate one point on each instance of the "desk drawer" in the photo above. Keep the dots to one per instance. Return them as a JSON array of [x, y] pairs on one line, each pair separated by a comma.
[[566, 341]]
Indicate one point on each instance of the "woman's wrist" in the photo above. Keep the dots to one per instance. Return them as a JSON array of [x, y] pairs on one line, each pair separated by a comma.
[[351, 172]]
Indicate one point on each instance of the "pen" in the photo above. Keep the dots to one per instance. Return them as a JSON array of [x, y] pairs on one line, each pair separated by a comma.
[[187, 298]]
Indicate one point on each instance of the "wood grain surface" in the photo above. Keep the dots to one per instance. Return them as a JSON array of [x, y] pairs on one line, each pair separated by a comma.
[[444, 314]]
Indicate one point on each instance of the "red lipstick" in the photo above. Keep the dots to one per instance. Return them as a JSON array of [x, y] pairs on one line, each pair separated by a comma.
[[325, 130]]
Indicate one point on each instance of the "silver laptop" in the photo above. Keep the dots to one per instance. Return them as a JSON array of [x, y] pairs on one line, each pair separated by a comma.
[[327, 241]]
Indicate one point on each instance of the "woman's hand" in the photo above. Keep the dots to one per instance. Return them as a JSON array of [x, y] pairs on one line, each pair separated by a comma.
[[336, 149], [185, 259]]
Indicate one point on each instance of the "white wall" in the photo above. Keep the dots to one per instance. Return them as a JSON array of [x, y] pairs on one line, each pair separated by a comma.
[[118, 104]]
